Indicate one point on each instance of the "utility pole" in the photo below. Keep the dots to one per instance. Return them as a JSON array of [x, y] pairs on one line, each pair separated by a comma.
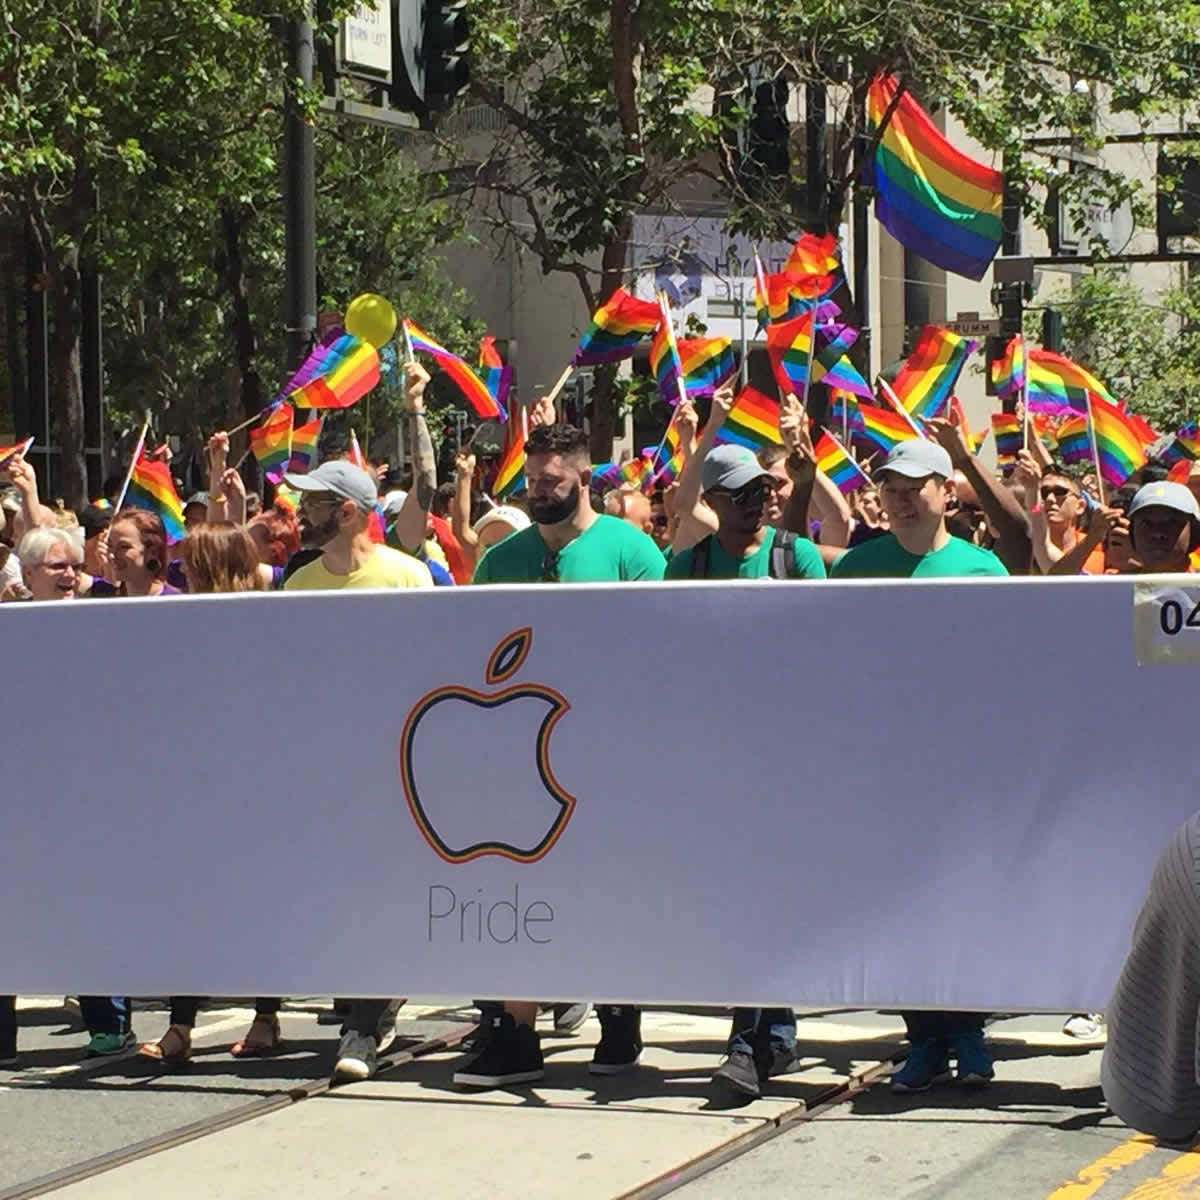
[[300, 282]]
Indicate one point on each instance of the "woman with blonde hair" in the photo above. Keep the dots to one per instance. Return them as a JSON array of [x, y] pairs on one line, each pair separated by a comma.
[[222, 558]]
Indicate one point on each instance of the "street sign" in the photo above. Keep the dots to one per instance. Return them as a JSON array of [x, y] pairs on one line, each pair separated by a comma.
[[975, 327], [365, 44]]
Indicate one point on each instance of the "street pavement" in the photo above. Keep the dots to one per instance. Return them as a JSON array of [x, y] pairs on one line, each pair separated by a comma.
[[1040, 1131]]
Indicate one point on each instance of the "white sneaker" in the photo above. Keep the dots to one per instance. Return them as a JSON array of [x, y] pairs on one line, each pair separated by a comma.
[[1086, 1028], [356, 1058]]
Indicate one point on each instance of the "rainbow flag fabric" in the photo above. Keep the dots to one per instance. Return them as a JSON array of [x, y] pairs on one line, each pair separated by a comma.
[[636, 472], [606, 474], [1118, 443], [338, 374], [354, 453], [1008, 371], [1010, 437], [476, 392], [789, 348], [271, 442], [843, 411], [1185, 447], [496, 376], [1074, 441], [152, 488], [835, 461], [884, 428], [707, 363], [753, 421], [929, 196], [304, 446], [9, 452], [616, 328], [1057, 382], [926, 381], [813, 263], [667, 456], [510, 471]]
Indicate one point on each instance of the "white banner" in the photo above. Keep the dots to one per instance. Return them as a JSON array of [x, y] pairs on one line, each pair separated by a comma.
[[940, 794]]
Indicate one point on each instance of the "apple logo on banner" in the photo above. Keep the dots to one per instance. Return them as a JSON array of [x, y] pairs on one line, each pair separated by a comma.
[[489, 729]]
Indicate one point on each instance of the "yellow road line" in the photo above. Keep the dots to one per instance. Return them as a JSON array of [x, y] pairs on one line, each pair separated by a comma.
[[1174, 1180], [1096, 1174]]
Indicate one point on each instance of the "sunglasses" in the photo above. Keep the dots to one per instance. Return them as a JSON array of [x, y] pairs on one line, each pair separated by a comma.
[[550, 567], [746, 497], [1058, 493]]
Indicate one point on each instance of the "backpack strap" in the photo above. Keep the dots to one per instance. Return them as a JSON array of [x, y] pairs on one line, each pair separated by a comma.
[[782, 554], [700, 558]]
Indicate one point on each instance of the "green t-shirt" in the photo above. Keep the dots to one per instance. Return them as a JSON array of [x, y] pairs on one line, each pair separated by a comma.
[[805, 561], [609, 549], [884, 558]]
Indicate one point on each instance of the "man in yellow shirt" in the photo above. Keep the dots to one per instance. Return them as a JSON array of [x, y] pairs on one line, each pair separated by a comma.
[[336, 502]]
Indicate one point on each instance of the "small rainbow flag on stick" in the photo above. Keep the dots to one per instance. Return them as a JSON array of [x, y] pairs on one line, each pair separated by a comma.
[[884, 428], [304, 445], [927, 379], [337, 374], [8, 452], [707, 363], [753, 421], [813, 263], [929, 196], [1010, 437], [616, 328], [271, 442], [1074, 441], [151, 488], [789, 347], [1057, 382], [354, 453], [1185, 447], [472, 387], [496, 376], [1008, 371], [835, 461], [510, 471], [1118, 442]]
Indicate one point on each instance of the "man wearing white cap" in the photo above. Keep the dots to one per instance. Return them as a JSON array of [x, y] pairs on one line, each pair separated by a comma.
[[912, 490], [498, 523], [1164, 527]]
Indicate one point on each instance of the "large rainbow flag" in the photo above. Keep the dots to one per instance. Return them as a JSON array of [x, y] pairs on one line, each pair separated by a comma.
[[472, 387], [338, 373], [510, 471], [496, 375], [884, 428], [929, 196], [926, 381], [1008, 371], [753, 421], [151, 487], [1056, 382], [616, 328]]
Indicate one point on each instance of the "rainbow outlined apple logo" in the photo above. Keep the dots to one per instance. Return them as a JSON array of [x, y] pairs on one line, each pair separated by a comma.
[[505, 661]]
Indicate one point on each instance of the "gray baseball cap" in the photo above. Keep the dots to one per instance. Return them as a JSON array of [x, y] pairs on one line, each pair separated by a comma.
[[730, 467], [917, 458], [1165, 495], [341, 478]]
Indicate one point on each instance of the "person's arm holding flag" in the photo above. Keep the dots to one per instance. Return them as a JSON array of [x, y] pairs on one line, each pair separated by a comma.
[[696, 520], [1028, 474], [414, 514], [1000, 506]]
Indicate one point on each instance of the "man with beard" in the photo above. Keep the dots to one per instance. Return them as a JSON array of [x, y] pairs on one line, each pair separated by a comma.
[[569, 542], [336, 501]]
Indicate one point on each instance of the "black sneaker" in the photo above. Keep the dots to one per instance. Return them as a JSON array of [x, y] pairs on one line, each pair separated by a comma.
[[620, 1044], [512, 1054], [780, 1060], [478, 1037], [738, 1072]]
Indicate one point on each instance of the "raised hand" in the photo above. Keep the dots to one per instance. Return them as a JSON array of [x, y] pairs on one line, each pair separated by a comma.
[[687, 422], [1027, 474], [949, 436], [416, 379], [542, 412], [464, 464], [722, 402]]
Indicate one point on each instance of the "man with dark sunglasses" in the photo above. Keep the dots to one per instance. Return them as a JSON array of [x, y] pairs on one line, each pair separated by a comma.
[[1056, 507], [738, 489], [568, 542]]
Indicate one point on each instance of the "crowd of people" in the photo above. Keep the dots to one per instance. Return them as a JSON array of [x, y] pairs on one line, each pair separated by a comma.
[[931, 509]]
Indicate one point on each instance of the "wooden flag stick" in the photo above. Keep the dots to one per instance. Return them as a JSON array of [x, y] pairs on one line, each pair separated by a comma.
[[245, 424], [137, 453], [409, 356], [552, 394], [664, 305], [1095, 450], [894, 401]]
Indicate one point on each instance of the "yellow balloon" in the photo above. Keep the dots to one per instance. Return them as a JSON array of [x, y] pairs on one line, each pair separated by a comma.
[[371, 318]]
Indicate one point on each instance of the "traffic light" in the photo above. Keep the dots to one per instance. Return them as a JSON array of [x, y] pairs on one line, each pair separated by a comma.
[[1052, 330], [446, 42]]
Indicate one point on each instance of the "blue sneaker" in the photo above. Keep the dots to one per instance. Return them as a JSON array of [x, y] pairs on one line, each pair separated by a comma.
[[927, 1064], [974, 1061]]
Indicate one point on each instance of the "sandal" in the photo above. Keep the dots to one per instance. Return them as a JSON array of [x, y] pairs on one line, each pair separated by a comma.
[[172, 1049], [261, 1039]]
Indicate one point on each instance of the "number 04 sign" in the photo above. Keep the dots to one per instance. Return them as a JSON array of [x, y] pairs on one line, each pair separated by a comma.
[[1166, 624]]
